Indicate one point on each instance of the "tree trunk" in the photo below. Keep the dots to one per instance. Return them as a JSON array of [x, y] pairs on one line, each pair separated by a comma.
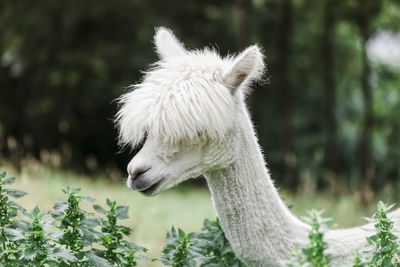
[[366, 168], [286, 92], [243, 33], [243, 9], [327, 55]]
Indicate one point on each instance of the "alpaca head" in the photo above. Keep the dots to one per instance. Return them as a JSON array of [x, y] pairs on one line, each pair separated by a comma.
[[183, 112]]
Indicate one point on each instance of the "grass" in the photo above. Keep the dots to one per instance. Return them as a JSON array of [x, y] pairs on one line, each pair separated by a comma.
[[183, 207]]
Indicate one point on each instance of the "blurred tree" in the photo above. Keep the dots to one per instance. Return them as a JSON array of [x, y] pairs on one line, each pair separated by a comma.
[[365, 14], [328, 116], [285, 87], [243, 29], [328, 57]]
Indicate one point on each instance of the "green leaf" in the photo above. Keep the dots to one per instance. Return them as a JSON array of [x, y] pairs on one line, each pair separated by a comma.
[[21, 224], [70, 190], [87, 199], [141, 257], [387, 263], [181, 233], [122, 212], [134, 246], [15, 193], [57, 214], [29, 253], [47, 222], [189, 263], [9, 181], [15, 204], [107, 238], [60, 205], [87, 236], [169, 238], [64, 254], [14, 234], [99, 209], [56, 235], [174, 234], [91, 222], [98, 261], [196, 254], [35, 211], [2, 175], [373, 238]]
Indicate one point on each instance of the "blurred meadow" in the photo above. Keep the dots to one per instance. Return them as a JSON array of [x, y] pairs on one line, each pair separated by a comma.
[[327, 114]]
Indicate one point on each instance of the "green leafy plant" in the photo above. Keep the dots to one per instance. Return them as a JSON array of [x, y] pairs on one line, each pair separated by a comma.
[[68, 235], [207, 248], [27, 242], [383, 246], [182, 249], [117, 250], [314, 254], [381, 250], [77, 225], [64, 236], [8, 212], [35, 245], [218, 251], [358, 261]]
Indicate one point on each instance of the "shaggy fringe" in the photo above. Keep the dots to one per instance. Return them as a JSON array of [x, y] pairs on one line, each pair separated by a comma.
[[183, 98]]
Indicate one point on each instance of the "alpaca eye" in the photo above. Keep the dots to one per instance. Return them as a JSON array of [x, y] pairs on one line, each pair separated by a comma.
[[139, 146]]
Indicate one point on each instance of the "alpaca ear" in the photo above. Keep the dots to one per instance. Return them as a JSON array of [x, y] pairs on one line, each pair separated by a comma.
[[167, 45], [247, 66]]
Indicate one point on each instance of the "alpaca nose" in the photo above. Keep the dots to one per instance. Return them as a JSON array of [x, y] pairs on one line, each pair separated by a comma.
[[136, 173], [136, 180]]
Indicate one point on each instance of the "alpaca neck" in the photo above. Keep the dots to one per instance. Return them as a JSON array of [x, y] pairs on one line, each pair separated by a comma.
[[259, 226]]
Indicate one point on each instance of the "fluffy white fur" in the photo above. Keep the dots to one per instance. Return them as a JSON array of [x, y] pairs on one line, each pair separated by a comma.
[[178, 100], [185, 94], [191, 106]]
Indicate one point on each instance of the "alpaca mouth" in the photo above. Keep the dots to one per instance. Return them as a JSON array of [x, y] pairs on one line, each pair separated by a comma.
[[152, 188]]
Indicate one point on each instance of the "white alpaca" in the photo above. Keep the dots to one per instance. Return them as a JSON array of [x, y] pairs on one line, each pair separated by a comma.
[[189, 112]]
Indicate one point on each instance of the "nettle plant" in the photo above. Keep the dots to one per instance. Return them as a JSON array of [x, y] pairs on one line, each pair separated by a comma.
[[68, 235], [314, 254], [208, 248], [381, 248]]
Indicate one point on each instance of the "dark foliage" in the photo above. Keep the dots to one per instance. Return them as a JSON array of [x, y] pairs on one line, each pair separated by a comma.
[[328, 112]]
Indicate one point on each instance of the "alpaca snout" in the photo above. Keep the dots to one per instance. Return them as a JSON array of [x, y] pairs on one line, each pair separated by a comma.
[[137, 179], [136, 174], [144, 184]]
